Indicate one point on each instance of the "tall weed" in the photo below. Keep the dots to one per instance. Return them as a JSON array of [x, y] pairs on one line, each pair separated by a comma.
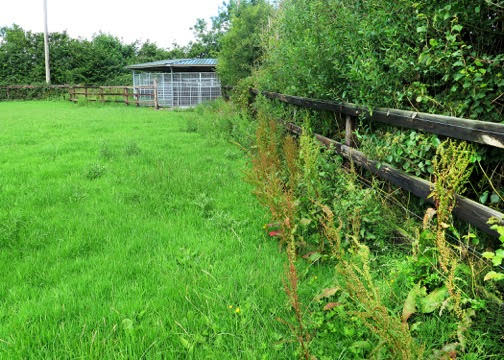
[[451, 171]]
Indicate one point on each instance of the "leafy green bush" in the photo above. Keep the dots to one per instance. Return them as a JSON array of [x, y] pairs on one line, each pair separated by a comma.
[[440, 57], [436, 56]]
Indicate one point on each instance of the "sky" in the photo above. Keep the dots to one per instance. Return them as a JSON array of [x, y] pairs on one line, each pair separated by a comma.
[[160, 21]]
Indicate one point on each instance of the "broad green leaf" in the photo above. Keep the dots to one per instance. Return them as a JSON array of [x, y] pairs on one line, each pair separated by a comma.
[[488, 255], [497, 261], [494, 276], [410, 307], [434, 300], [457, 28]]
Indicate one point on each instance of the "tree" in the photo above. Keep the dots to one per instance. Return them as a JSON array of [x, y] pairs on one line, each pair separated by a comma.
[[241, 45], [101, 60]]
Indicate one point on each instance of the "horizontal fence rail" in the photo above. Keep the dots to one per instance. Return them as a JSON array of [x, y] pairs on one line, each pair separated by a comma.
[[482, 132], [465, 209]]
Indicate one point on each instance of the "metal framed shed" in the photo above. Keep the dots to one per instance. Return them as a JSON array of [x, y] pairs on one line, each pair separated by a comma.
[[180, 82]]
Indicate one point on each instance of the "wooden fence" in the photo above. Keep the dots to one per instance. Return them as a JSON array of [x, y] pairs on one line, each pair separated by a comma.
[[491, 134], [482, 132], [116, 94]]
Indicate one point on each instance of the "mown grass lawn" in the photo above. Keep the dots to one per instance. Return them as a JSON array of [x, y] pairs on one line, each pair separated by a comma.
[[122, 235]]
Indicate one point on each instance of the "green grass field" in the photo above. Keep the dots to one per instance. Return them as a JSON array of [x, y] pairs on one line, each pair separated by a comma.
[[122, 235]]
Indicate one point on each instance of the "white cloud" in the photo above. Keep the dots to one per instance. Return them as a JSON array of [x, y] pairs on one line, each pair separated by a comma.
[[161, 21]]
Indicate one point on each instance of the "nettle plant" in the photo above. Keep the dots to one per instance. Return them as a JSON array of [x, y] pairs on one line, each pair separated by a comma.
[[497, 256]]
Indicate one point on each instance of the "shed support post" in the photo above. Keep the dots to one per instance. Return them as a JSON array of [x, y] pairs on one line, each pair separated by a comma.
[[199, 89], [172, 91], [156, 100]]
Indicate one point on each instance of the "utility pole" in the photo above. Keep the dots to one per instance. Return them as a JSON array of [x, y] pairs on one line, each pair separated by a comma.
[[46, 46]]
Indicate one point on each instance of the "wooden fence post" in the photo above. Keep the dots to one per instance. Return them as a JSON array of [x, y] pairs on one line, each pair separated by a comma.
[[156, 101], [126, 96], [86, 93], [349, 129], [102, 95]]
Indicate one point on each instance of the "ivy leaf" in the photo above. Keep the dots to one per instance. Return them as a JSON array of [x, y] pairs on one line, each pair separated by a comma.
[[494, 199]]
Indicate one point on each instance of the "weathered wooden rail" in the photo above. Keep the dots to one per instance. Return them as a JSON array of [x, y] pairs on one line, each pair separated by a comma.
[[482, 132], [478, 131]]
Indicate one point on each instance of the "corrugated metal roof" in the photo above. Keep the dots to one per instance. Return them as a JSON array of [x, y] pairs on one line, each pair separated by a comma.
[[175, 62]]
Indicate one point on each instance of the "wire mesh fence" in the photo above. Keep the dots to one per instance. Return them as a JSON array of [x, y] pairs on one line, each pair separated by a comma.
[[183, 89]]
